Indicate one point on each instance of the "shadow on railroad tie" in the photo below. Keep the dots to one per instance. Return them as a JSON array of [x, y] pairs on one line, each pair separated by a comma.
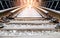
[[1, 25], [48, 17], [58, 26], [10, 18], [4, 19], [54, 20]]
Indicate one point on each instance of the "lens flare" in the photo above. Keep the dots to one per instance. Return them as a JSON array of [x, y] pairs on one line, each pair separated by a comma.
[[30, 2]]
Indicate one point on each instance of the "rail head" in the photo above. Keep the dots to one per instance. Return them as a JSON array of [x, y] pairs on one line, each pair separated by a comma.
[[1, 11], [51, 10]]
